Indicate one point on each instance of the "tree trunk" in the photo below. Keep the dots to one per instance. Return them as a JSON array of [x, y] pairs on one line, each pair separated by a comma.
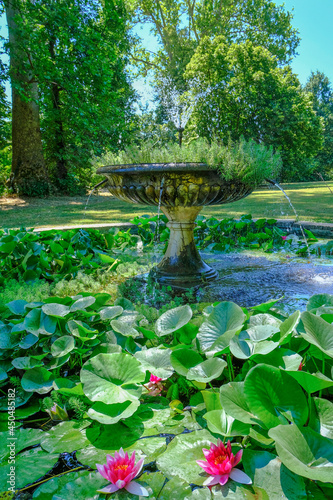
[[29, 174], [61, 167]]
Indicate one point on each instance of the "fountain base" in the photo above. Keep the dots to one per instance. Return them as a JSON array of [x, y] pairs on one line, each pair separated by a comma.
[[182, 266]]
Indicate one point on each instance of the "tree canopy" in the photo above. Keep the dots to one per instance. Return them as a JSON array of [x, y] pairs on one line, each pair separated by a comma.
[[245, 92]]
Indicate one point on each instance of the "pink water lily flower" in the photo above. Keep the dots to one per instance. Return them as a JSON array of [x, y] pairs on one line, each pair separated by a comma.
[[154, 385], [220, 465], [284, 237], [120, 470]]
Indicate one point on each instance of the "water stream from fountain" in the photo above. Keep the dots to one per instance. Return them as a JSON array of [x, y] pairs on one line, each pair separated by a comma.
[[296, 216], [92, 191]]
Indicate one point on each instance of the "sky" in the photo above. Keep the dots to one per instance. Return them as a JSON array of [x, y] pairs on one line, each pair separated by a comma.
[[313, 19]]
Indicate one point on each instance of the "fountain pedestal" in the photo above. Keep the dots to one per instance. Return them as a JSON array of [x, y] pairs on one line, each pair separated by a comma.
[[182, 265], [181, 190]]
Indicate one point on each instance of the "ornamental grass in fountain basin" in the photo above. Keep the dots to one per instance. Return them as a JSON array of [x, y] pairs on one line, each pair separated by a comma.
[[181, 181]]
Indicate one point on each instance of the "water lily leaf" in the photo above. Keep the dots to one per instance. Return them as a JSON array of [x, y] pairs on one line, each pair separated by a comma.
[[220, 423], [175, 488], [55, 309], [233, 401], [62, 346], [26, 362], [21, 397], [281, 358], [155, 480], [37, 380], [322, 419], [29, 466], [288, 326], [65, 436], [85, 486], [83, 303], [235, 491], [17, 307], [179, 460], [184, 359], [82, 330], [28, 341], [243, 348], [206, 371], [221, 345], [112, 378], [304, 451], [122, 434], [23, 439], [265, 306], [267, 471], [47, 490], [68, 387], [319, 300], [157, 361], [172, 320], [110, 312], [112, 413], [311, 382], [3, 375], [225, 316], [265, 319], [318, 332], [211, 400], [32, 321], [124, 328], [7, 340], [274, 396], [148, 449], [258, 332]]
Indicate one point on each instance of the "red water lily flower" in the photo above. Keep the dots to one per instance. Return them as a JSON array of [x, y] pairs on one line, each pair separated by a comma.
[[220, 465], [120, 470]]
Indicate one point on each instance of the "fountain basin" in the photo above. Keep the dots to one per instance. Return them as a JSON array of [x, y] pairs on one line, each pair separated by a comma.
[[181, 190]]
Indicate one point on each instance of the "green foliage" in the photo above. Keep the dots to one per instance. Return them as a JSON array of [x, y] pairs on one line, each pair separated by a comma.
[[243, 91], [319, 86], [243, 160], [258, 401], [78, 49]]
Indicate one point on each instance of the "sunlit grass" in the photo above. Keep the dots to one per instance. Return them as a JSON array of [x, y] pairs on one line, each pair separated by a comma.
[[312, 201]]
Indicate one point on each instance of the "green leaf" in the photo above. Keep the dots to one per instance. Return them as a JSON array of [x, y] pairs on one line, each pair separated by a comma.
[[172, 320], [220, 423], [124, 328], [318, 332], [62, 346], [322, 418], [65, 436], [281, 358], [82, 304], [288, 326], [37, 380], [267, 472], [234, 402], [85, 487], [274, 396], [29, 466], [225, 316], [319, 300], [47, 490], [157, 361], [179, 460], [304, 452], [110, 312], [55, 309], [206, 371], [112, 413], [112, 378], [311, 382], [184, 359], [17, 307]]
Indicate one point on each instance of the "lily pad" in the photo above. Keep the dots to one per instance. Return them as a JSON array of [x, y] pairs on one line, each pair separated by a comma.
[[172, 320], [274, 396], [234, 402], [37, 380], [318, 332], [220, 423], [304, 452], [322, 420], [157, 361], [112, 378], [206, 371], [226, 316], [179, 460], [65, 436], [62, 346], [184, 359], [112, 413]]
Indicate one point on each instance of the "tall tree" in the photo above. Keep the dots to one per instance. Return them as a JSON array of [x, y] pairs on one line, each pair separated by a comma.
[[180, 25], [28, 167], [245, 92], [77, 55], [321, 91]]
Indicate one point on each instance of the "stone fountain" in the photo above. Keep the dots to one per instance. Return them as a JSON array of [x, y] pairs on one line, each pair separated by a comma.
[[181, 190]]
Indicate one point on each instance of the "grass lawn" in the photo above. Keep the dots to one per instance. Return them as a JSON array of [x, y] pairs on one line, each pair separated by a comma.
[[313, 202]]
